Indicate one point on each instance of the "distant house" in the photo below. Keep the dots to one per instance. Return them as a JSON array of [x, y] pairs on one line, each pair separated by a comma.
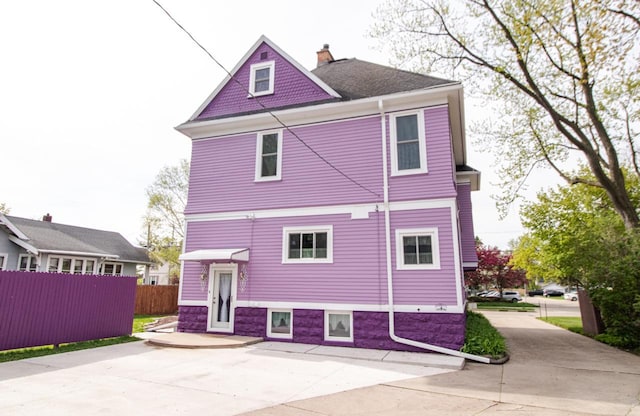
[[45, 246], [159, 274], [351, 226]]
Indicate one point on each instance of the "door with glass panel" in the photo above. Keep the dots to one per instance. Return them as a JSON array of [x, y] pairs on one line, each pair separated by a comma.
[[222, 302]]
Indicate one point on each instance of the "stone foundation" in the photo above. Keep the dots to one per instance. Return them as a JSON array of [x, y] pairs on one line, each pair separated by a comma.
[[370, 329]]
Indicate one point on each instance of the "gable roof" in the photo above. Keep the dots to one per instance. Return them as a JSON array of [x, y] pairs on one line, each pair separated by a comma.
[[50, 237], [353, 79], [330, 93]]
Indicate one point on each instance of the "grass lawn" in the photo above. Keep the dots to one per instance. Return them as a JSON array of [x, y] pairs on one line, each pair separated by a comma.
[[507, 306], [572, 323], [22, 353]]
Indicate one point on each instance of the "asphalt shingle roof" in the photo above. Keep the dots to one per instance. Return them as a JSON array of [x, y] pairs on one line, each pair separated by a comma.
[[354, 79], [53, 236]]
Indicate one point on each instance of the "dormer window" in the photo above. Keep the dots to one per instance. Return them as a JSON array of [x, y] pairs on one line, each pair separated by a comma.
[[262, 76]]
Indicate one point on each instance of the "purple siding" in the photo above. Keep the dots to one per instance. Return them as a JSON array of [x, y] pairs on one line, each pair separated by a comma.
[[425, 286], [357, 274], [223, 170], [439, 181], [291, 87], [51, 308], [358, 271], [467, 235]]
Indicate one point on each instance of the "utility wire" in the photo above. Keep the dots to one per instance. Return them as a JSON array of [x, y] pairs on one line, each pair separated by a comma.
[[331, 165]]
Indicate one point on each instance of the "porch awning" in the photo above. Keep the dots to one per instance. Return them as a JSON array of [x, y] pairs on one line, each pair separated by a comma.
[[217, 255]]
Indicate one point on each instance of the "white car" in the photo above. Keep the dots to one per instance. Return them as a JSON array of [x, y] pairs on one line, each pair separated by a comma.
[[511, 296], [571, 295]]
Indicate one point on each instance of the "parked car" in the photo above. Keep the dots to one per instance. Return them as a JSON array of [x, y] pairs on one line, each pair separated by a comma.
[[553, 292], [571, 295], [535, 292], [511, 296], [491, 294]]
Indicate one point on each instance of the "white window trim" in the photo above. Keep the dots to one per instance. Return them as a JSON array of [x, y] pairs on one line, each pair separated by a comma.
[[422, 144], [101, 267], [435, 246], [328, 337], [258, 170], [73, 264], [5, 260], [252, 78], [276, 335], [32, 259], [311, 229]]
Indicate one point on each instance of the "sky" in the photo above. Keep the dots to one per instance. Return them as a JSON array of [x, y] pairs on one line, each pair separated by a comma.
[[90, 93]]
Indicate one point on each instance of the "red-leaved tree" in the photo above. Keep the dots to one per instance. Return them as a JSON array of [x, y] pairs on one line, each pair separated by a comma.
[[494, 269]]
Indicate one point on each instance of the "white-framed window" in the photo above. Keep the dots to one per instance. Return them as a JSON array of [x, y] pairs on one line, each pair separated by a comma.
[[111, 269], [269, 156], [408, 145], [307, 244], [280, 323], [417, 249], [262, 78], [3, 260], [338, 326], [72, 265], [27, 263]]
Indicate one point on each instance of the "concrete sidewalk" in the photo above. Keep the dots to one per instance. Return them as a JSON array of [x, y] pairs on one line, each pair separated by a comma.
[[551, 372]]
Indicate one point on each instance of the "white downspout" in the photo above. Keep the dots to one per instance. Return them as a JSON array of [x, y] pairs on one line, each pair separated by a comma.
[[387, 242]]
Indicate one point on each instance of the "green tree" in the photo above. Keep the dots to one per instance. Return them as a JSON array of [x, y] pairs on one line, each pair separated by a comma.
[[164, 221], [4, 209], [576, 237], [564, 74]]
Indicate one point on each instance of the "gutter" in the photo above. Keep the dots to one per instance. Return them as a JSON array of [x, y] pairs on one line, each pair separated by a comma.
[[387, 237]]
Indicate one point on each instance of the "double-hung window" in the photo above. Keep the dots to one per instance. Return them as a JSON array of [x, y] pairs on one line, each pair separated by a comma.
[[417, 249], [262, 78], [27, 263], [111, 269], [269, 156], [71, 265], [307, 244], [408, 146]]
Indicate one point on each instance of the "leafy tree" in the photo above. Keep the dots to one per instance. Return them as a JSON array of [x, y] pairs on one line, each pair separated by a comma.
[[576, 237], [4, 209], [164, 221], [564, 74], [494, 269]]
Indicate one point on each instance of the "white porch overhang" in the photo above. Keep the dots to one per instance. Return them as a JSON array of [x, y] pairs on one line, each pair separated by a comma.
[[219, 255]]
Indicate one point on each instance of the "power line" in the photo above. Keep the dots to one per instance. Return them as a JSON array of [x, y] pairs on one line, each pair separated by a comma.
[[331, 165]]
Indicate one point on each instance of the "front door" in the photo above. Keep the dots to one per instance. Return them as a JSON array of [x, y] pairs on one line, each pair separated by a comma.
[[221, 309]]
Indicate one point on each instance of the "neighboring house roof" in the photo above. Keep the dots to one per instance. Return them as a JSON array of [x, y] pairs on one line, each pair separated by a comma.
[[50, 237], [353, 79]]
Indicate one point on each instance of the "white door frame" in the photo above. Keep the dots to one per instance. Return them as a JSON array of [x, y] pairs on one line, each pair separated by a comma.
[[214, 270]]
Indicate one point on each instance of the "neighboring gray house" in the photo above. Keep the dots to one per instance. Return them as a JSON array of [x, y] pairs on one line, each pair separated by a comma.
[[45, 246]]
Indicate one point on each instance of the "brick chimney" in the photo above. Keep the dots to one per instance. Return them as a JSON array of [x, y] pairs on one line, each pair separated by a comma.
[[47, 217], [324, 56]]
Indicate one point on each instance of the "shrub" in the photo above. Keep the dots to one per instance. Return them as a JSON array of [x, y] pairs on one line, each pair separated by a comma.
[[482, 338]]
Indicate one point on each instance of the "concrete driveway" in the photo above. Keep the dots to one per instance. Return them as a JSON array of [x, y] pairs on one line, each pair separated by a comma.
[[139, 379], [551, 372]]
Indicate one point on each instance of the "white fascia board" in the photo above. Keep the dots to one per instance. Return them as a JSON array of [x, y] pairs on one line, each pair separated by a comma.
[[30, 248], [471, 177], [244, 59], [310, 114], [5, 221], [81, 253], [356, 209]]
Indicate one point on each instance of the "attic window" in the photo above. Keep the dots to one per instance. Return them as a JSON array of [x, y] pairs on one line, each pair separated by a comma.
[[261, 78], [264, 55]]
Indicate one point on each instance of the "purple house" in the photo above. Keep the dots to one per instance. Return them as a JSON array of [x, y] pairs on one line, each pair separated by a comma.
[[329, 206]]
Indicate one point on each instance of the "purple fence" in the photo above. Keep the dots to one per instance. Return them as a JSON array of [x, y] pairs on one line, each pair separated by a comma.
[[53, 308]]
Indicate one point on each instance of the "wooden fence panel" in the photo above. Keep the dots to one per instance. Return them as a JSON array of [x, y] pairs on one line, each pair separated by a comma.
[[54, 308], [156, 300]]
